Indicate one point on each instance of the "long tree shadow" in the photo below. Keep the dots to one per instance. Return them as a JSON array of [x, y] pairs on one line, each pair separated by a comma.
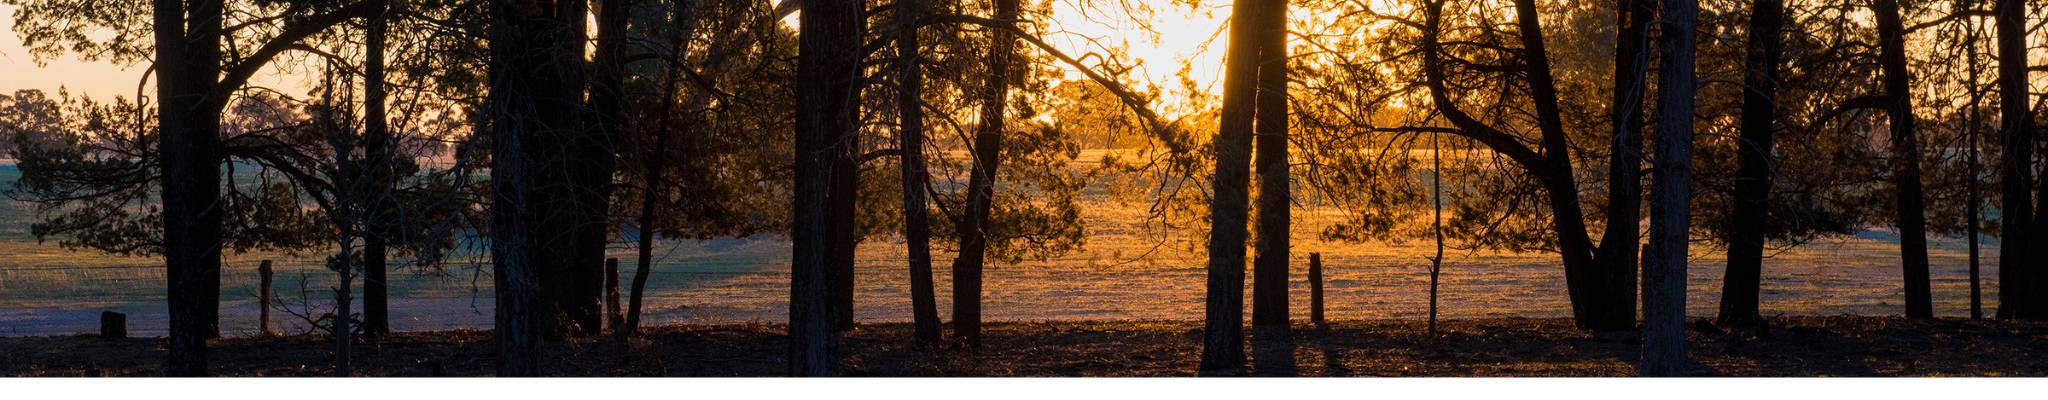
[[1273, 351]]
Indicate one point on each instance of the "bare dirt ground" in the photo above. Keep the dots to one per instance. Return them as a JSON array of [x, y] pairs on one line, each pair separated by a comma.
[[1795, 346]]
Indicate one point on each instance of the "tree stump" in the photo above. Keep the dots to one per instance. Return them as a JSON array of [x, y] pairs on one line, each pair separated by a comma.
[[263, 298], [1315, 290], [611, 294], [113, 325]]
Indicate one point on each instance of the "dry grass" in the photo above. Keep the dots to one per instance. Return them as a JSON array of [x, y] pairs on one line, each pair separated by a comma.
[[1797, 346]]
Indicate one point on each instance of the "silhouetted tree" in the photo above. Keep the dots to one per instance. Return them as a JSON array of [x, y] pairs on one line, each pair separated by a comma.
[[828, 60], [1742, 283], [1670, 210], [1269, 262], [981, 181], [1912, 207], [916, 179], [1223, 322], [536, 87]]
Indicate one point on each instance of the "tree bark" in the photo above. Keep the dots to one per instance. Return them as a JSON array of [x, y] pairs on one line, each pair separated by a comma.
[[1976, 199], [1621, 241], [1223, 322], [188, 61], [377, 155], [1743, 281], [1601, 299], [536, 81], [2015, 157], [593, 161], [828, 66], [917, 229], [1270, 259], [1670, 209], [1592, 293], [981, 181], [1912, 206]]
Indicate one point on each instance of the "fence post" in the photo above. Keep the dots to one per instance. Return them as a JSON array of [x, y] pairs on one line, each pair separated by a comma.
[[263, 298], [113, 325], [611, 294], [1315, 290]]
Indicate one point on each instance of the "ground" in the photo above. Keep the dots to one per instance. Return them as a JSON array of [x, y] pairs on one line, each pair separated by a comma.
[[1794, 346]]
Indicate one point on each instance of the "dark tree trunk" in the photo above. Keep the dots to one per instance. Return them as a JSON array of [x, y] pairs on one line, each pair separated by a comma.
[[377, 155], [2016, 155], [1269, 262], [1621, 241], [1976, 170], [1601, 300], [535, 99], [1912, 206], [1743, 281], [917, 229], [1594, 305], [1670, 210], [1436, 202], [188, 61], [981, 182], [1223, 322], [684, 19], [1315, 291], [593, 161], [828, 65]]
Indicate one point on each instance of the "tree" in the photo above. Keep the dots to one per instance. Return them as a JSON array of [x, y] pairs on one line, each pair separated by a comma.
[[828, 59], [188, 59], [596, 158], [1912, 207], [2016, 156], [1621, 241], [1742, 284], [981, 181], [1269, 263], [1670, 212], [911, 143], [1601, 291], [535, 99], [1223, 321], [377, 157]]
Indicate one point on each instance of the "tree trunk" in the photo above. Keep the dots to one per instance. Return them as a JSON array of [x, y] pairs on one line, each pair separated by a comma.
[[1976, 199], [534, 102], [377, 156], [1912, 207], [344, 335], [1223, 322], [917, 229], [828, 60], [1621, 241], [1600, 299], [2016, 155], [981, 182], [1743, 281], [1270, 260], [188, 61], [593, 161], [1593, 292], [1670, 209], [1436, 200]]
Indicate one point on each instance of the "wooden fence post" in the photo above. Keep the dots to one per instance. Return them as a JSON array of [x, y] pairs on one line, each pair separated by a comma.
[[113, 325], [611, 294], [263, 298], [1315, 290]]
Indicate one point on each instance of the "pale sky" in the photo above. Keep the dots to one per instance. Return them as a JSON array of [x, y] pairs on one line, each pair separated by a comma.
[[18, 69], [1182, 35]]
